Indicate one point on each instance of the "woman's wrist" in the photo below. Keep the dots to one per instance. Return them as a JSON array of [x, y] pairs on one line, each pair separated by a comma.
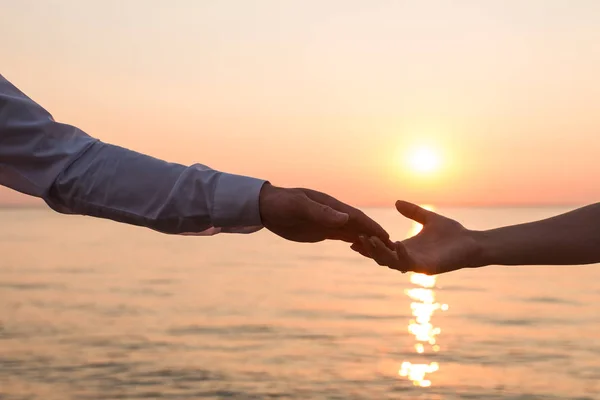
[[485, 253]]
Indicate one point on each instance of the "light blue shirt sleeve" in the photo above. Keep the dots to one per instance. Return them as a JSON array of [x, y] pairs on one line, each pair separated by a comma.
[[75, 173]]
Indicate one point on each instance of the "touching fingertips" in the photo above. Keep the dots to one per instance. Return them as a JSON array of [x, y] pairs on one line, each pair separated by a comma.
[[365, 242]]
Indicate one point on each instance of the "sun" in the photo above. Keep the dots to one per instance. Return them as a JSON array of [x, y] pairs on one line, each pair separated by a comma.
[[424, 160]]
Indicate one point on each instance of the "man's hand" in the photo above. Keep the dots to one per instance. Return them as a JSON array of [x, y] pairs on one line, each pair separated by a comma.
[[443, 245], [304, 215]]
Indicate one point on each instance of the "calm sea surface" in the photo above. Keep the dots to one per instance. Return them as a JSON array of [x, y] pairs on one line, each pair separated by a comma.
[[91, 309]]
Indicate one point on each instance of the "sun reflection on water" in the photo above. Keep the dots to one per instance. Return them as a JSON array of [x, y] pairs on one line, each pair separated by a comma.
[[423, 306]]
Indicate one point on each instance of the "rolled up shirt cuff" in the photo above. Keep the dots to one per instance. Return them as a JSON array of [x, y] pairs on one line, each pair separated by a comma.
[[236, 203]]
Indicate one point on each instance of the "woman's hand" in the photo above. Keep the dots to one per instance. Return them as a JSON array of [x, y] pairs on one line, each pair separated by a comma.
[[443, 245]]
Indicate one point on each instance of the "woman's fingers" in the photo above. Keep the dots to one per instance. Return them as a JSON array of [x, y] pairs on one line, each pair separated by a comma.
[[405, 262], [360, 249], [375, 249], [384, 256]]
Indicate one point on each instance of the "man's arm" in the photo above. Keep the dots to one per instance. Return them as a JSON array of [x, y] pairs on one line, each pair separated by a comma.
[[445, 245], [77, 174]]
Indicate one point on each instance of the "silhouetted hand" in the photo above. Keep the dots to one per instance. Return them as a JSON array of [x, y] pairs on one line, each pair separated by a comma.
[[443, 245], [305, 215]]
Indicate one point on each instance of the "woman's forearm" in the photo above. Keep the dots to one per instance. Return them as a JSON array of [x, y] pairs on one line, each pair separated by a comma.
[[566, 239]]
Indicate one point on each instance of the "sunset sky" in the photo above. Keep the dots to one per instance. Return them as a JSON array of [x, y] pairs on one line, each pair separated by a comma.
[[463, 102]]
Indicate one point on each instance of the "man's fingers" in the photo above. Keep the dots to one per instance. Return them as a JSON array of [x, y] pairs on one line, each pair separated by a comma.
[[359, 223], [414, 212], [366, 226], [340, 234], [324, 215]]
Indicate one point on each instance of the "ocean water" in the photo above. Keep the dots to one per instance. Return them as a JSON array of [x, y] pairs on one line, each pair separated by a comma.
[[91, 309]]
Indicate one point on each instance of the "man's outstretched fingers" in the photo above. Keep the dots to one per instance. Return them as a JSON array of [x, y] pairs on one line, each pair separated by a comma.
[[359, 223], [324, 215], [413, 211], [362, 224], [367, 226]]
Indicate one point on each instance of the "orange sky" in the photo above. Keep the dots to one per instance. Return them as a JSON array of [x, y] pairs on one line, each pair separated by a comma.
[[330, 94]]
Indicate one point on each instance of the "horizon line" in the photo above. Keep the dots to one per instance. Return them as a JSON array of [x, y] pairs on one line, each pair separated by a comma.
[[14, 206]]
